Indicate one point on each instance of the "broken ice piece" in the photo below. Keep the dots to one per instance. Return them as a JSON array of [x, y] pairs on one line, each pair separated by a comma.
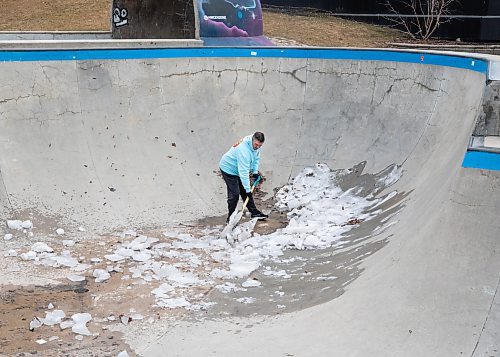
[[114, 257], [125, 319], [27, 224], [81, 229], [53, 338], [136, 317], [65, 324], [81, 320], [101, 275], [14, 224], [122, 354], [111, 318], [68, 242], [35, 323], [41, 341], [50, 306], [11, 253], [141, 257], [31, 255], [53, 317], [251, 283], [81, 329], [8, 236], [60, 231], [75, 278], [40, 247]]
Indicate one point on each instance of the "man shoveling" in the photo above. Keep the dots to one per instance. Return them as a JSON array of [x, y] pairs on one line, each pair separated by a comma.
[[236, 165]]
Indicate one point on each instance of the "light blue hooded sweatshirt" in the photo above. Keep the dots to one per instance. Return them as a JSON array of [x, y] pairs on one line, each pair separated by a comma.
[[240, 160]]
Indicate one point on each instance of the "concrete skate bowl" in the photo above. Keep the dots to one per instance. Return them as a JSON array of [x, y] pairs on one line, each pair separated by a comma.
[[122, 138]]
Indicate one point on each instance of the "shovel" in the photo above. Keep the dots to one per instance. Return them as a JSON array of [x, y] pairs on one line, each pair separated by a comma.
[[236, 217]]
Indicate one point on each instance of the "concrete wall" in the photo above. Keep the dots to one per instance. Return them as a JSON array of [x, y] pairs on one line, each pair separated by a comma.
[[99, 135], [489, 119]]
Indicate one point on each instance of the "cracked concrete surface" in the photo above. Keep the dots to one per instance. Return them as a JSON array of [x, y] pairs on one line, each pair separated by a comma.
[[154, 130]]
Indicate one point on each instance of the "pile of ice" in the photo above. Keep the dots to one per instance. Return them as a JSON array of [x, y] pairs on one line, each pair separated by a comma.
[[77, 322], [319, 213], [177, 266]]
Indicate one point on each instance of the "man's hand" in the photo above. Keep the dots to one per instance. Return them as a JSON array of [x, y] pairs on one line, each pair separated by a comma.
[[255, 177]]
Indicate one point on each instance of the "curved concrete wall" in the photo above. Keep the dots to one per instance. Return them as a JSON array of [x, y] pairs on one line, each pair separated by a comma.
[[121, 141]]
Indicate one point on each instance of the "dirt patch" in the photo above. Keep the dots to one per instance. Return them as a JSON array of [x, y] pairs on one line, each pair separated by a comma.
[[18, 306]]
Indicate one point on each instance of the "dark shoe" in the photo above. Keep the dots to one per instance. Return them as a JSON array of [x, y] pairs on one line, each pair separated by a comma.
[[259, 215]]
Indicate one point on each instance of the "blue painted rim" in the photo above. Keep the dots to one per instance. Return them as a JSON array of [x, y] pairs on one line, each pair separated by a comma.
[[482, 160], [472, 64]]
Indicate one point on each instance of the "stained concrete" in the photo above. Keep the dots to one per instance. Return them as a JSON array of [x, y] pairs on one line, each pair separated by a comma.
[[114, 143]]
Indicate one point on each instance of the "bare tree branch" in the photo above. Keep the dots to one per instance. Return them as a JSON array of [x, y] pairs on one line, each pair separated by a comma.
[[424, 18]]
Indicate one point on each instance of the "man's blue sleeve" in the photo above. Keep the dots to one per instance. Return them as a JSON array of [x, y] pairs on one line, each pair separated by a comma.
[[243, 168], [255, 168]]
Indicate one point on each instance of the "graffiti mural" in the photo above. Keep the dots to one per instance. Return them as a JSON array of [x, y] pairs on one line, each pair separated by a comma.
[[120, 17], [230, 18]]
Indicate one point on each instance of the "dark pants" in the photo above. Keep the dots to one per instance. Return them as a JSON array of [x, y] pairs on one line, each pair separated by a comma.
[[234, 190]]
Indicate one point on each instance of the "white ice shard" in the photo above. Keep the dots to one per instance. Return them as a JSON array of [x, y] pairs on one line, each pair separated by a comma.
[[41, 247], [53, 317], [50, 306], [60, 231], [101, 275], [27, 224], [67, 261], [68, 242], [11, 253], [67, 323], [80, 321], [74, 277], [8, 236], [15, 224], [114, 257], [122, 354], [251, 283], [31, 255], [141, 257], [81, 229], [81, 329], [35, 323]]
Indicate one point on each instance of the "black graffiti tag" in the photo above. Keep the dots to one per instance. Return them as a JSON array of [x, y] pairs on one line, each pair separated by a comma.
[[120, 17]]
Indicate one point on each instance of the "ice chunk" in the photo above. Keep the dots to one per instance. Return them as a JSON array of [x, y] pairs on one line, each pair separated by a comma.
[[65, 324], [50, 306], [60, 231], [114, 257], [15, 224], [11, 253], [141, 257], [53, 317], [66, 261], [81, 229], [173, 303], [53, 338], [8, 236], [101, 275], [136, 317], [41, 341], [74, 277], [246, 300], [40, 247], [122, 354], [251, 283], [31, 255], [81, 329], [68, 242], [35, 323], [80, 321], [27, 224]]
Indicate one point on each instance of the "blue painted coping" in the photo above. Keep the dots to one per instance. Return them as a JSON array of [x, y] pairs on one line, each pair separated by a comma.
[[334, 54], [482, 160]]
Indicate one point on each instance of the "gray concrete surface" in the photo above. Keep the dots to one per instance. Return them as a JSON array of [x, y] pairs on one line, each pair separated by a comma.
[[109, 144]]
